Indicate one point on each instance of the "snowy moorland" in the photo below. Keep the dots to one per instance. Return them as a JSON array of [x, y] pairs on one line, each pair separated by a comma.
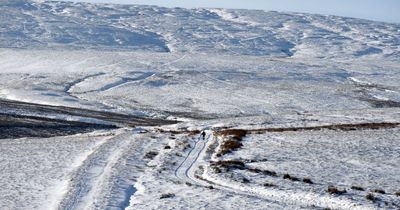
[[103, 106]]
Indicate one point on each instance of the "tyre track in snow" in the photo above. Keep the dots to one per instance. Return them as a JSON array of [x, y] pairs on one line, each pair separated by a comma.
[[116, 188], [184, 169], [84, 180], [191, 170], [106, 178]]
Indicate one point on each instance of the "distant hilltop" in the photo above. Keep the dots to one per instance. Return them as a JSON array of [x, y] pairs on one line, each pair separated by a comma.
[[69, 25]]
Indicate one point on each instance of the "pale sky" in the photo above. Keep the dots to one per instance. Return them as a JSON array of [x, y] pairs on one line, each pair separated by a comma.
[[381, 10]]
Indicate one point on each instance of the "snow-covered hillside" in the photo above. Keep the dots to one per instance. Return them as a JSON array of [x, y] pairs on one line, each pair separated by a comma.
[[26, 24], [102, 106]]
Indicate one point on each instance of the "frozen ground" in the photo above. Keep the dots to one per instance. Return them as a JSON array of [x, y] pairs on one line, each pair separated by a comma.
[[35, 172], [102, 107], [367, 159], [62, 25], [191, 84]]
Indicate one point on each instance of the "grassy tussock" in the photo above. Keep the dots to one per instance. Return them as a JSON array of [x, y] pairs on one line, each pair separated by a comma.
[[233, 142], [357, 188], [336, 191]]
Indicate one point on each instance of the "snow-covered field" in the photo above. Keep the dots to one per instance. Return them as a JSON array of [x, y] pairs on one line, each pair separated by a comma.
[[102, 107]]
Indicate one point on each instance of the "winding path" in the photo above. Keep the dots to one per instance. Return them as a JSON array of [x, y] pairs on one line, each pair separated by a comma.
[[186, 169]]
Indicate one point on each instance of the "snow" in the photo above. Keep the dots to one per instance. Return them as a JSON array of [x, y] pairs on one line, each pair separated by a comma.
[[210, 69], [356, 158], [125, 27], [36, 172], [186, 82]]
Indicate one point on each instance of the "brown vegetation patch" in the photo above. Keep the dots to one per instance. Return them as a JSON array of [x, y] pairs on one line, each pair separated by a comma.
[[292, 178], [194, 132], [150, 155], [238, 133], [176, 132], [308, 180], [370, 197], [233, 142], [269, 185], [227, 165], [357, 188], [245, 180], [263, 172], [167, 195], [336, 191], [255, 161], [380, 191], [342, 127], [229, 146]]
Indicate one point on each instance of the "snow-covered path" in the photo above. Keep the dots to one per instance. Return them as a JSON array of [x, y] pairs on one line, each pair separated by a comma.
[[187, 168], [87, 179], [105, 180]]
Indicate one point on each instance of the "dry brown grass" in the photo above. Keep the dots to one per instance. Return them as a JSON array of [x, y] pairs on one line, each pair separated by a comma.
[[239, 133], [336, 191], [263, 172], [176, 132], [307, 180], [245, 180], [357, 188], [370, 197], [380, 191], [233, 142], [194, 132], [269, 185], [227, 165], [167, 195], [342, 127], [229, 146], [255, 161], [292, 178], [150, 155]]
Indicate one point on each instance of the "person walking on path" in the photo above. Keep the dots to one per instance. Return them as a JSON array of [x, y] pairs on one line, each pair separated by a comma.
[[203, 134]]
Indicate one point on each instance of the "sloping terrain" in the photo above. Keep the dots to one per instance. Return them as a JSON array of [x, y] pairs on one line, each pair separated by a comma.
[[50, 24], [106, 106]]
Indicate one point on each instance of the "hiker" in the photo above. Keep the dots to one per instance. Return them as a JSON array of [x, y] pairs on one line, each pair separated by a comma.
[[203, 134]]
